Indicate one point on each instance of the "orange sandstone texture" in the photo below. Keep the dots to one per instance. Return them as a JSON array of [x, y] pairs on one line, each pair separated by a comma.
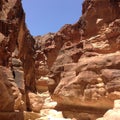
[[79, 64]]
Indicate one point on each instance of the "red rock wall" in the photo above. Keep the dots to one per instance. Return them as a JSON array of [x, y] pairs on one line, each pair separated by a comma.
[[83, 59], [16, 55]]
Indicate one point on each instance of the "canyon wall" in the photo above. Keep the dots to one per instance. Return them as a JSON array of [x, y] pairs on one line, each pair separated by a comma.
[[81, 62], [17, 70]]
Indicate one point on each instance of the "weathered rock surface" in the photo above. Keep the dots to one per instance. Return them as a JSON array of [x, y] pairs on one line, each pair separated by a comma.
[[35, 102], [17, 71], [112, 114], [11, 98], [15, 40], [12, 115], [81, 63], [83, 59]]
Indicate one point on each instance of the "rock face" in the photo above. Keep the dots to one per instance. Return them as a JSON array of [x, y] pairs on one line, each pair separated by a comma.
[[113, 114], [14, 39], [17, 71], [83, 61], [80, 64], [11, 98]]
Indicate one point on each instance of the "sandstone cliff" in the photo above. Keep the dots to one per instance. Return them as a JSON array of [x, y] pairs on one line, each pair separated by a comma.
[[79, 65], [17, 71], [82, 61]]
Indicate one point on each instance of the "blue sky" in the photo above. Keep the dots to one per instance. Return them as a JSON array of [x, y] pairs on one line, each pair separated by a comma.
[[43, 16]]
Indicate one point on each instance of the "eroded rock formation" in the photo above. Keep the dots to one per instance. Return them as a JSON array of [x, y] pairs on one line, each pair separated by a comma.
[[17, 71], [112, 114], [84, 61], [79, 64]]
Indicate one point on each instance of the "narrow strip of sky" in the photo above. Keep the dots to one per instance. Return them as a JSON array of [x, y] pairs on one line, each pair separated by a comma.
[[43, 16]]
